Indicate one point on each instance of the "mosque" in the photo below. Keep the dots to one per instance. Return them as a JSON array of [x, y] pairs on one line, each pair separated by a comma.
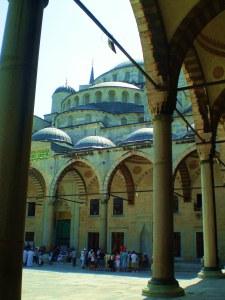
[[118, 162], [90, 176]]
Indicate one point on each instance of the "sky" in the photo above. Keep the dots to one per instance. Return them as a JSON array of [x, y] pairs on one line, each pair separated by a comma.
[[70, 42]]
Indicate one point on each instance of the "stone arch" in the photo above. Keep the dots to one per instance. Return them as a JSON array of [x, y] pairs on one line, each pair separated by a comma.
[[53, 185], [199, 16], [185, 177], [199, 97], [36, 178], [218, 109], [126, 173]]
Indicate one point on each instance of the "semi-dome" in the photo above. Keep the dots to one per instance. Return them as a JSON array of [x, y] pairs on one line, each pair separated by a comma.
[[64, 89], [115, 84], [94, 142], [52, 134], [140, 135]]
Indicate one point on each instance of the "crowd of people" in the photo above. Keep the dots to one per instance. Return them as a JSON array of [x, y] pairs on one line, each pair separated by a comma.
[[120, 260]]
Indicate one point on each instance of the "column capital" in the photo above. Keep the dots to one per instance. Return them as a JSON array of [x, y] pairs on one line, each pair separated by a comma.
[[204, 149], [159, 104]]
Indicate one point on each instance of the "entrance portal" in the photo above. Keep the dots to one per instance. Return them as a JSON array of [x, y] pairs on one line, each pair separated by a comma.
[[62, 233]]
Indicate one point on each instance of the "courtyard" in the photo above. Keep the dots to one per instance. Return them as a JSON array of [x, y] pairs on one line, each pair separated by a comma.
[[65, 282]]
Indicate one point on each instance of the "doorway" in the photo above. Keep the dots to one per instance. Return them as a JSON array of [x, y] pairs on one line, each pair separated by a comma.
[[117, 241], [93, 240], [199, 245], [62, 233]]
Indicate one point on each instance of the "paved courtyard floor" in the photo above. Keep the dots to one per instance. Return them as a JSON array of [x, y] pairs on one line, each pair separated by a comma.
[[67, 283]]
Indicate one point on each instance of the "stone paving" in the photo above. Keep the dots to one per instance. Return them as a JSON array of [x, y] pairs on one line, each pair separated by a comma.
[[65, 282]]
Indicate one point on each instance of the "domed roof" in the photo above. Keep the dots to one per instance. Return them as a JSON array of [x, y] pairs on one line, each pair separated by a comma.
[[94, 142], [64, 89], [115, 84], [52, 134], [128, 64], [140, 135]]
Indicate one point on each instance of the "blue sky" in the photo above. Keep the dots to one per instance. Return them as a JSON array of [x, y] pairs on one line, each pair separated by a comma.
[[70, 41]]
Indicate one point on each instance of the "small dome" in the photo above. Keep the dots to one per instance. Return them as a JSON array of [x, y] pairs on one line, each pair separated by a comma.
[[115, 84], [140, 135], [64, 89], [52, 134], [94, 142]]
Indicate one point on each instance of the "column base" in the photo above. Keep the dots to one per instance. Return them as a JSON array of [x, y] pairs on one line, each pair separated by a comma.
[[207, 272], [163, 288]]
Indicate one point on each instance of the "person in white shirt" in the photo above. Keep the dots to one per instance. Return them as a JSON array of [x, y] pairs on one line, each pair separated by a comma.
[[134, 261], [30, 257]]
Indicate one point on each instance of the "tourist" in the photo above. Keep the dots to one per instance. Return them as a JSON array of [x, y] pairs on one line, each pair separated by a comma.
[[73, 257], [30, 256], [83, 258], [25, 252], [134, 261]]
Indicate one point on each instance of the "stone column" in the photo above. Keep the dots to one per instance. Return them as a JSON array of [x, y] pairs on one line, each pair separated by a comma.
[[18, 69], [75, 221], [163, 283], [104, 223], [211, 263], [48, 223]]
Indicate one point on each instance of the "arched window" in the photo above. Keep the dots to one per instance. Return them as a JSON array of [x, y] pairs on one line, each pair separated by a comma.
[[125, 96], [76, 101], [86, 98], [112, 95], [68, 105], [70, 121], [98, 96], [137, 99], [123, 121]]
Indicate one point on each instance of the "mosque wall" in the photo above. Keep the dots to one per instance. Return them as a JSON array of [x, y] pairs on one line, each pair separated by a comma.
[[79, 181]]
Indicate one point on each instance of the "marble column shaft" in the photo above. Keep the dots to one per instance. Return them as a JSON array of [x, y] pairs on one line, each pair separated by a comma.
[[18, 70], [162, 200], [208, 209]]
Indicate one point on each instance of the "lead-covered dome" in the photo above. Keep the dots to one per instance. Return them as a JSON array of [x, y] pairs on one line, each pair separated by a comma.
[[115, 84], [140, 135], [64, 89], [94, 142], [52, 134]]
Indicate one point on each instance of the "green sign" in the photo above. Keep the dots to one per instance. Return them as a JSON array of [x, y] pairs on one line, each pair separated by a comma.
[[41, 154]]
